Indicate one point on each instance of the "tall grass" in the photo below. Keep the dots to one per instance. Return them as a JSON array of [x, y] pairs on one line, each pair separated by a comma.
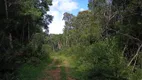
[[33, 72]]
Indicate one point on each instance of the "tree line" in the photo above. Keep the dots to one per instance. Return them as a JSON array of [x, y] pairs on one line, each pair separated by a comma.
[[105, 41], [21, 34]]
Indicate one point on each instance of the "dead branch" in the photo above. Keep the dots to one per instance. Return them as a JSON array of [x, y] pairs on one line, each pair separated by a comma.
[[135, 55]]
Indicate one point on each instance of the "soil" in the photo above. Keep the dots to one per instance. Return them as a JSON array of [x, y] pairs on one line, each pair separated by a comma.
[[55, 74]]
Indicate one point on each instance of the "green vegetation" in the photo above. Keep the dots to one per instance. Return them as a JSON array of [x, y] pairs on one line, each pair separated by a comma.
[[102, 43], [63, 73], [22, 38], [31, 72]]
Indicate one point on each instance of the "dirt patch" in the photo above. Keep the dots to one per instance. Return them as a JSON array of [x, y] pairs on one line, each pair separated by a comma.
[[69, 78], [55, 74], [52, 74]]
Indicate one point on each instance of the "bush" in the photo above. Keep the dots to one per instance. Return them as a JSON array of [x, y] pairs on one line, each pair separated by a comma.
[[100, 61]]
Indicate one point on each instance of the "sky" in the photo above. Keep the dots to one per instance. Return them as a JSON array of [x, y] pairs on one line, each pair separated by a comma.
[[59, 7]]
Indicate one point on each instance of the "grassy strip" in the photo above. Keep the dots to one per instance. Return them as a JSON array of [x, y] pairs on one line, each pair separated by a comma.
[[63, 73]]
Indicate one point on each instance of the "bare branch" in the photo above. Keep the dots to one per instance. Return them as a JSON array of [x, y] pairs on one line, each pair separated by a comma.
[[134, 63], [135, 55]]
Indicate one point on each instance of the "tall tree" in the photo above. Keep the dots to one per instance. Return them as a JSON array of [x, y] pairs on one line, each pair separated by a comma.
[[68, 25], [82, 29], [123, 18], [19, 21]]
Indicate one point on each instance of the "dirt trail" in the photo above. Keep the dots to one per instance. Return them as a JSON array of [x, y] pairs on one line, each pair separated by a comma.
[[67, 72], [66, 64], [55, 73]]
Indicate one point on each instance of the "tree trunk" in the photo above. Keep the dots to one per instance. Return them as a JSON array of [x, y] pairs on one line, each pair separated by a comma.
[[6, 12], [10, 40], [28, 31], [6, 8]]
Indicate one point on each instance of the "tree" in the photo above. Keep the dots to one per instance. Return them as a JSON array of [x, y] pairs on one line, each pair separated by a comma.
[[82, 29], [68, 26], [19, 21], [122, 20]]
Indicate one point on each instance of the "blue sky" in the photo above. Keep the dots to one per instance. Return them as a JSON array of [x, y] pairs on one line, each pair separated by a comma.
[[82, 4], [59, 7]]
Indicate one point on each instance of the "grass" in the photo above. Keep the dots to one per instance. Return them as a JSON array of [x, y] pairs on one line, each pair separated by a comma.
[[63, 73], [32, 72], [77, 74], [59, 61], [70, 64]]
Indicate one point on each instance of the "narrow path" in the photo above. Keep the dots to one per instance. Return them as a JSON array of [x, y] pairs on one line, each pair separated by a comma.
[[55, 74], [53, 71], [66, 64]]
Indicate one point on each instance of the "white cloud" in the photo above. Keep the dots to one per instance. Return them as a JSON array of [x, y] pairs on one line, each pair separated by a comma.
[[81, 9], [57, 10]]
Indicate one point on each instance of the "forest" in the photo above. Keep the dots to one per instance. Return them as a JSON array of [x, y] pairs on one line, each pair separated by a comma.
[[101, 43]]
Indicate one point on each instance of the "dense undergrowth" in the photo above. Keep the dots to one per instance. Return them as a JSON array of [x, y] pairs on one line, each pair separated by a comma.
[[37, 59], [21, 34], [100, 61]]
